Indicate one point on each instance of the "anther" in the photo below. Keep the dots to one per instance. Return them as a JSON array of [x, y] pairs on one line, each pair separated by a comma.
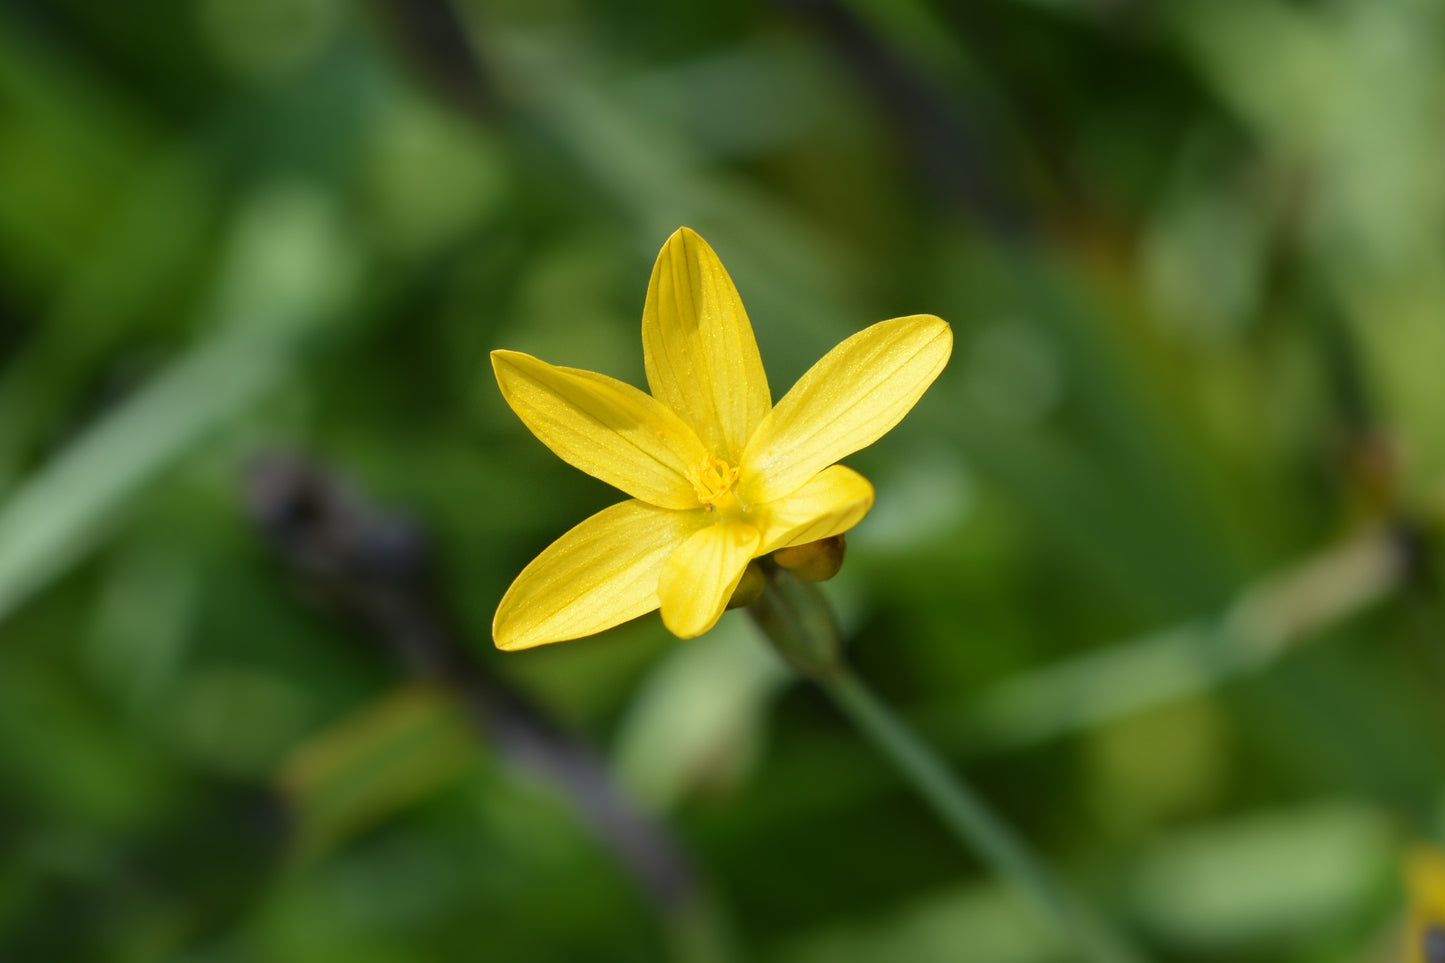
[[713, 480]]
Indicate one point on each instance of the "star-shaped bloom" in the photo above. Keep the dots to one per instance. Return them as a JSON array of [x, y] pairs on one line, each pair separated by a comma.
[[717, 474]]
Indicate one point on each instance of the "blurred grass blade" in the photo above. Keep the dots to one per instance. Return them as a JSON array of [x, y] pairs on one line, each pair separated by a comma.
[[388, 756], [1135, 676], [285, 275]]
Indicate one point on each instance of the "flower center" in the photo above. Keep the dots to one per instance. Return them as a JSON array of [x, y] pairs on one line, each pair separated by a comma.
[[714, 480]]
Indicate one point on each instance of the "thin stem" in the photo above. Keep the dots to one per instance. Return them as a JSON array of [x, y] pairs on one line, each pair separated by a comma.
[[798, 621], [969, 817]]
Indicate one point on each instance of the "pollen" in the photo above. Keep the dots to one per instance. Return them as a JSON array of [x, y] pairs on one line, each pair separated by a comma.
[[714, 481]]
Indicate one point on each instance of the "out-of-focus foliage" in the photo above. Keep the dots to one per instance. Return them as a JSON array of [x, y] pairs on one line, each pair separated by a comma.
[[1154, 561]]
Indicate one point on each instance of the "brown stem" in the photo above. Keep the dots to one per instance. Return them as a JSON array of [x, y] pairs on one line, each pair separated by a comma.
[[373, 569]]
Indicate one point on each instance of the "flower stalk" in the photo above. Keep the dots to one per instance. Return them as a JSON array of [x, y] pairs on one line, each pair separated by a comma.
[[799, 623], [797, 620]]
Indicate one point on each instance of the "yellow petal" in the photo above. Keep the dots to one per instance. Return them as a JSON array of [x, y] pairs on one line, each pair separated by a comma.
[[605, 427], [832, 502], [702, 360], [600, 574], [846, 401], [700, 575]]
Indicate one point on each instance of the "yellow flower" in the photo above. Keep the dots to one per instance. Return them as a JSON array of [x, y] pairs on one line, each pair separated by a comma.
[[718, 475], [1425, 879]]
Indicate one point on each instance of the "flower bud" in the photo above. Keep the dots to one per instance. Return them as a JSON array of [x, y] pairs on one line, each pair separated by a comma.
[[814, 561]]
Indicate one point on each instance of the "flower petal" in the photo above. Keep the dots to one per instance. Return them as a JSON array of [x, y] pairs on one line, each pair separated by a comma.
[[832, 502], [600, 574], [846, 401], [605, 427], [702, 360], [700, 575]]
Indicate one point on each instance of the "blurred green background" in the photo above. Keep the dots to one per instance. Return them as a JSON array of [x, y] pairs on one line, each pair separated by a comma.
[[1153, 562]]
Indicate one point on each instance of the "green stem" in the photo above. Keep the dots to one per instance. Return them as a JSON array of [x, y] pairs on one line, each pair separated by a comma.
[[797, 620], [969, 817]]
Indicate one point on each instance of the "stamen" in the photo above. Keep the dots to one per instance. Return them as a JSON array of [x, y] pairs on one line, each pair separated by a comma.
[[713, 480]]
